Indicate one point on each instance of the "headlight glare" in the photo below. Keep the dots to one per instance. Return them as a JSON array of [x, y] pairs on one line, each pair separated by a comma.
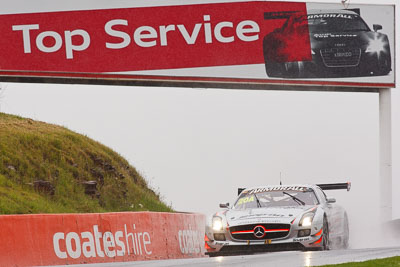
[[217, 223], [307, 219], [375, 45]]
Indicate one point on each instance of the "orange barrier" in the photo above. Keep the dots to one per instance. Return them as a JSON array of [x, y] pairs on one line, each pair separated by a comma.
[[55, 239]]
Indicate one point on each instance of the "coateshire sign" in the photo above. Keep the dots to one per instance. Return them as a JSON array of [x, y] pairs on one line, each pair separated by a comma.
[[255, 45], [63, 239]]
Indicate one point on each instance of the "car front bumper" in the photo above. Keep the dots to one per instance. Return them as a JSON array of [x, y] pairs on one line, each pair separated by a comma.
[[366, 65], [291, 242]]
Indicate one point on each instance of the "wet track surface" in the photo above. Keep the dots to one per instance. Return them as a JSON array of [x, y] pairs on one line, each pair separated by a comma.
[[289, 259]]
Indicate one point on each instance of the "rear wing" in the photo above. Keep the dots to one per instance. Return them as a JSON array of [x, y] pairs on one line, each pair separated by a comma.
[[336, 186], [324, 187], [356, 10]]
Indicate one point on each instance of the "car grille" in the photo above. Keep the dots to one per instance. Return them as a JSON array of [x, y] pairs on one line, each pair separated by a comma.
[[341, 57], [272, 231]]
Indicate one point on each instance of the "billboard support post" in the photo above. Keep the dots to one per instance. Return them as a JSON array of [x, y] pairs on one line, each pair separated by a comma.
[[385, 154]]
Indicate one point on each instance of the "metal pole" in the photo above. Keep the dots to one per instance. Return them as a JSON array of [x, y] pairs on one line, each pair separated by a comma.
[[385, 154]]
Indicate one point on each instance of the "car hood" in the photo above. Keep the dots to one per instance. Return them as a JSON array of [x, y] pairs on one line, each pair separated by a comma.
[[265, 215], [341, 39]]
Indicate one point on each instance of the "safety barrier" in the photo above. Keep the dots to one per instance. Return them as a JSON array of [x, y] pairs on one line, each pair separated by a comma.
[[58, 239]]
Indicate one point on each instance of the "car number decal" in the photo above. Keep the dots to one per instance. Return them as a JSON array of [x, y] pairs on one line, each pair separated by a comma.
[[245, 200]]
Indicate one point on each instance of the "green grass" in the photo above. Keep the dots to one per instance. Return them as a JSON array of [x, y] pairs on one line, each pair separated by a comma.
[[387, 262], [31, 151]]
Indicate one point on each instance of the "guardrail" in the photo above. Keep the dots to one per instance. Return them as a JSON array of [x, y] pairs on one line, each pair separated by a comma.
[[58, 239]]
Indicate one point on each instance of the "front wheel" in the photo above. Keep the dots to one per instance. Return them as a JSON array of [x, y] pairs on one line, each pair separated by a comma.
[[283, 70], [291, 69], [325, 235], [273, 69], [384, 64]]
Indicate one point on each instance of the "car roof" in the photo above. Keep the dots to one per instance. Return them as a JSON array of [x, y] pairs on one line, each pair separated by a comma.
[[330, 11]]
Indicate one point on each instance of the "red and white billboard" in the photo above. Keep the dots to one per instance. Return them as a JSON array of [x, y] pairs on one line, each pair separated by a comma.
[[60, 239], [253, 44]]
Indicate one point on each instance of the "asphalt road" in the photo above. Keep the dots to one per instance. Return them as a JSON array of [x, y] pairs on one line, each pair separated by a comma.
[[281, 259]]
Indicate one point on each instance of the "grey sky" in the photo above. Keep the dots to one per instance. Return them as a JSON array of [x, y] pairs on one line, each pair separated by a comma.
[[197, 146]]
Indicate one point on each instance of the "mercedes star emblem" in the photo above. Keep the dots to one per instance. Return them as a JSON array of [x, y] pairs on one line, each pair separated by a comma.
[[259, 231]]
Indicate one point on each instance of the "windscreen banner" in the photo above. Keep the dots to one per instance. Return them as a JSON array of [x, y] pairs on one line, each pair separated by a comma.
[[253, 44]]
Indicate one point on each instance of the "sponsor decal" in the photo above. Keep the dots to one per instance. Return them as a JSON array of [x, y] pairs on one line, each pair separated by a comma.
[[221, 243], [301, 239], [343, 54], [143, 36], [332, 35], [330, 15], [277, 188], [190, 241], [245, 200], [61, 239], [92, 244]]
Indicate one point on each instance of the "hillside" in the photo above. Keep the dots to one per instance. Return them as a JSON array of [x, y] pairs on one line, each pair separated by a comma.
[[46, 168]]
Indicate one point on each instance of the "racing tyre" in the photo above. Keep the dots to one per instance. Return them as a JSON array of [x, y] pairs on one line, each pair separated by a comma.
[[273, 69], [325, 235], [291, 69], [384, 64]]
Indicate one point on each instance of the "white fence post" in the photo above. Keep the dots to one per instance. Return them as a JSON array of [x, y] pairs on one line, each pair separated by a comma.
[[385, 154]]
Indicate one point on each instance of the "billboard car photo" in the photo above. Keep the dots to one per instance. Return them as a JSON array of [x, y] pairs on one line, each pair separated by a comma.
[[342, 45], [282, 217]]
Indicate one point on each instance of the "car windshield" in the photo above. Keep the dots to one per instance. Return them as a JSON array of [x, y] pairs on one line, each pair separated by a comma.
[[276, 199], [336, 23]]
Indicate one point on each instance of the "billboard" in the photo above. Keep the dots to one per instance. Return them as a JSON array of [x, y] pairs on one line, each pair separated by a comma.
[[254, 45]]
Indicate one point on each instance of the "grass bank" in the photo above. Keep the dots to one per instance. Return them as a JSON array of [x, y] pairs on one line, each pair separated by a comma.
[[46, 168]]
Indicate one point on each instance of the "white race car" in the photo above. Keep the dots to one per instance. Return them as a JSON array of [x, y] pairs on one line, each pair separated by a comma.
[[279, 217]]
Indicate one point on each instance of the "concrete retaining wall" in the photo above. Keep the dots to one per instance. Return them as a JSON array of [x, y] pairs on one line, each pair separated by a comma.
[[54, 239]]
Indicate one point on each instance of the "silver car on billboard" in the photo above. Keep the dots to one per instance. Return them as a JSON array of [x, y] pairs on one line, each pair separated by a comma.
[[280, 217]]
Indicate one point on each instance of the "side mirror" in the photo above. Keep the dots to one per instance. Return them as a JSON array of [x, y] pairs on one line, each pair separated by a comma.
[[240, 190], [331, 200], [224, 205], [377, 27]]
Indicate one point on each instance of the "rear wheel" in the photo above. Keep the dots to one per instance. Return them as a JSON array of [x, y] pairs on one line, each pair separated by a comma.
[[345, 240]]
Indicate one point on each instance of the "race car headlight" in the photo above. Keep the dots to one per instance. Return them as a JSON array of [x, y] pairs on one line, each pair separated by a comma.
[[217, 223], [375, 45], [307, 219]]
